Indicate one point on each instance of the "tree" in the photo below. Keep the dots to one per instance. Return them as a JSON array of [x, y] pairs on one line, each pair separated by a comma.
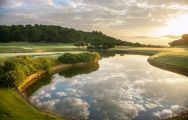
[[51, 33], [185, 37], [4, 34], [80, 44], [183, 41]]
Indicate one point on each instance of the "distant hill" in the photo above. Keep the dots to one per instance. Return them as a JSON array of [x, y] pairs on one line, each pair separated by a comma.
[[180, 42], [51, 33], [58, 34]]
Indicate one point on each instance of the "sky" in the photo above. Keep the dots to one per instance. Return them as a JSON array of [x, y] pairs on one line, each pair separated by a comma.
[[144, 21]]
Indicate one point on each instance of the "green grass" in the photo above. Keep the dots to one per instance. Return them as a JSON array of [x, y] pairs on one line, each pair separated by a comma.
[[149, 50], [172, 58], [36, 45], [24, 47], [14, 107]]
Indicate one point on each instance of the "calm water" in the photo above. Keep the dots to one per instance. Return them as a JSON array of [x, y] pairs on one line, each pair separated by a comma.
[[120, 87]]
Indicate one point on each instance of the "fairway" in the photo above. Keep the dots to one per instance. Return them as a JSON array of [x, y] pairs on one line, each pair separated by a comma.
[[25, 47]]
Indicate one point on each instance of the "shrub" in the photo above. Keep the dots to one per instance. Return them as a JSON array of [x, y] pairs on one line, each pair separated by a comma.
[[69, 58], [14, 70]]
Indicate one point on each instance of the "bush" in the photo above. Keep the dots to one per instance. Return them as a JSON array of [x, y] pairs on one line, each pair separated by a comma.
[[14, 70], [69, 58]]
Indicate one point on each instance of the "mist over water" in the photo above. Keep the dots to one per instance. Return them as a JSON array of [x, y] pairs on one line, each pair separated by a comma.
[[120, 87]]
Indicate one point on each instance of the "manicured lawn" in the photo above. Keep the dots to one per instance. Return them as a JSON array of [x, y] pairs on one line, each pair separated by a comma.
[[149, 50], [22, 47], [14, 107], [172, 58], [36, 45]]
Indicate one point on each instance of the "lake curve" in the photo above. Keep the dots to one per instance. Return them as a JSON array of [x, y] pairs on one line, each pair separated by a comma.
[[121, 87]]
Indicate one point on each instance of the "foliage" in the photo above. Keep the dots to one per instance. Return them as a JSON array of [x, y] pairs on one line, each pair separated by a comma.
[[88, 68], [69, 58], [16, 69], [185, 37], [54, 34], [80, 44], [51, 33], [183, 41]]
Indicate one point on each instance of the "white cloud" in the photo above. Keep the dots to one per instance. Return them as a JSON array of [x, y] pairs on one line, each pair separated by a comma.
[[114, 109], [73, 107], [60, 94], [173, 111], [115, 16]]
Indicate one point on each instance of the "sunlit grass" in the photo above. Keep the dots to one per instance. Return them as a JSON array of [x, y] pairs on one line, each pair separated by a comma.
[[22, 47], [179, 59]]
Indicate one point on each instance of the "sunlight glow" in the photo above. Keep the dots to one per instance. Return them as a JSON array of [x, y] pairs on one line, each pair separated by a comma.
[[176, 26]]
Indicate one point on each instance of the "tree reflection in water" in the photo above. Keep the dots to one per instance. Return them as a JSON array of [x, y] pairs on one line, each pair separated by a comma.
[[69, 73]]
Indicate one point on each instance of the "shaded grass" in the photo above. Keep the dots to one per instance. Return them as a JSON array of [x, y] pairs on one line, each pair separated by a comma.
[[14, 107]]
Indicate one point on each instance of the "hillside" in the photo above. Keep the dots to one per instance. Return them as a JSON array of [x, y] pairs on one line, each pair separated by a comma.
[[51, 33]]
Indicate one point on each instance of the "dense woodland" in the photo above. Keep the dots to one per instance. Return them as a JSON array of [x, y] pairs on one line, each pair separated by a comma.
[[180, 42], [51, 33]]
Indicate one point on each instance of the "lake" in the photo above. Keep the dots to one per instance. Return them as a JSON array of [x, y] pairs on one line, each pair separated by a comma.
[[118, 88]]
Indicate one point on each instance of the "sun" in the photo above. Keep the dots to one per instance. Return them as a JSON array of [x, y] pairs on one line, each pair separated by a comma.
[[176, 26]]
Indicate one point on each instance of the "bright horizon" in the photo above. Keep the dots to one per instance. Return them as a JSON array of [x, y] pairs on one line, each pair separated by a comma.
[[143, 21]]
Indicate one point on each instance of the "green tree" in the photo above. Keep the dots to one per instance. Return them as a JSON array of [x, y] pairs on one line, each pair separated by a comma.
[[4, 34]]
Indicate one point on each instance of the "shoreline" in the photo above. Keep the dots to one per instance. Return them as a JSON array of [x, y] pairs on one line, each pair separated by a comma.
[[36, 76], [168, 67]]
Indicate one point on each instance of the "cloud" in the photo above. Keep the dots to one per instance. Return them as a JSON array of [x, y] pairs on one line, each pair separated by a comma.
[[117, 110], [73, 107], [170, 91], [10, 3], [173, 111], [122, 16], [45, 105], [60, 94]]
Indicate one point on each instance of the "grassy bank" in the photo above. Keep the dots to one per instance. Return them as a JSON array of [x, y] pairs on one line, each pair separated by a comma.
[[14, 107], [175, 62], [176, 59]]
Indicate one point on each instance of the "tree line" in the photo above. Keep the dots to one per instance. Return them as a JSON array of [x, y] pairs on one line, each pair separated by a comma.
[[49, 33], [52, 33]]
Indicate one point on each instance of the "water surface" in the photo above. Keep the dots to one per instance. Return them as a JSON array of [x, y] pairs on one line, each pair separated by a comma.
[[120, 87]]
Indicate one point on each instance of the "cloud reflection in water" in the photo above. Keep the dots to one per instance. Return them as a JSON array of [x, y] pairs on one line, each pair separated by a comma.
[[124, 87]]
